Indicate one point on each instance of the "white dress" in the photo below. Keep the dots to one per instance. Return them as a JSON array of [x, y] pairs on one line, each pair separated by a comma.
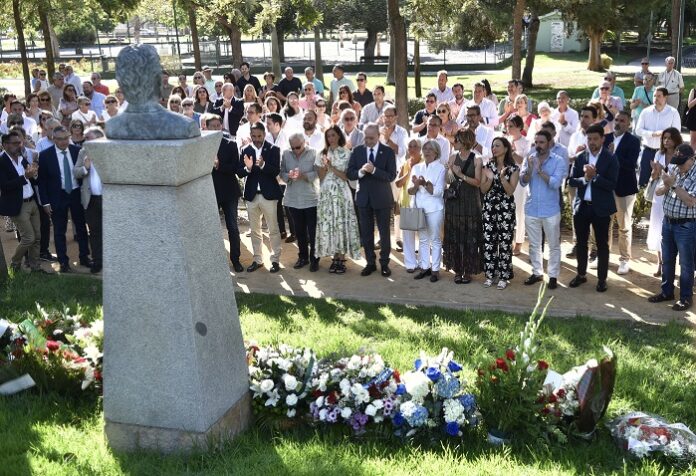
[[657, 213]]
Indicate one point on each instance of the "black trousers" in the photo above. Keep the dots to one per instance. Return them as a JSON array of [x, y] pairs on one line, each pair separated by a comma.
[[583, 219], [93, 216], [282, 212], [229, 208], [646, 157], [305, 220], [45, 231], [59, 218], [367, 233]]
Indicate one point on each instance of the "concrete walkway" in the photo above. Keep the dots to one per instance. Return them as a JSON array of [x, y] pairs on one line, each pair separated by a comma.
[[625, 299]]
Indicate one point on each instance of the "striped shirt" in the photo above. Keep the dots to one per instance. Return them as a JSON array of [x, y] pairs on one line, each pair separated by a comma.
[[672, 205]]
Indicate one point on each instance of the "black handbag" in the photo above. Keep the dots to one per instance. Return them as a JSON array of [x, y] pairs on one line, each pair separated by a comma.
[[452, 193]]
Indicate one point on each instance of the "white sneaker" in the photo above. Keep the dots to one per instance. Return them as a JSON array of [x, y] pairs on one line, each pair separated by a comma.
[[488, 283], [502, 284], [623, 267], [593, 264]]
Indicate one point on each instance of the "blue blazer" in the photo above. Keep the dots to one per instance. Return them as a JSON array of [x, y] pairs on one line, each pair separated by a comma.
[[374, 190], [11, 185], [266, 178], [603, 203], [225, 176], [50, 184], [234, 116], [627, 154]]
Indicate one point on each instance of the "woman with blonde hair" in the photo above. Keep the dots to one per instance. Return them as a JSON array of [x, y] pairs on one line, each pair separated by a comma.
[[449, 126], [403, 181]]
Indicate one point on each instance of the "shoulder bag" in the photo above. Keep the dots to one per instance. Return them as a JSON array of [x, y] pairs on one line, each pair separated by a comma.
[[412, 218]]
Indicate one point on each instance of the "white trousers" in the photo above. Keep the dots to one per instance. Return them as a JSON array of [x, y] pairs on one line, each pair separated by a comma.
[[520, 196], [409, 239], [552, 228], [430, 250]]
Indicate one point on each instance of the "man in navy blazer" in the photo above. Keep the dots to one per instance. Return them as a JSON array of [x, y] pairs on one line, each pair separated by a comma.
[[594, 174], [260, 165], [60, 192], [18, 200], [227, 191], [373, 165], [230, 109], [626, 148]]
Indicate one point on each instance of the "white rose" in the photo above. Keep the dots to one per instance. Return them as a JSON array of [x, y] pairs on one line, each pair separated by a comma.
[[378, 404], [370, 410], [290, 382], [346, 413], [319, 402], [322, 414], [291, 400], [266, 385], [345, 386]]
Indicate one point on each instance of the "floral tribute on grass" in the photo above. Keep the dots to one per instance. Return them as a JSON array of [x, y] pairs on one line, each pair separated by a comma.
[[54, 350], [435, 398]]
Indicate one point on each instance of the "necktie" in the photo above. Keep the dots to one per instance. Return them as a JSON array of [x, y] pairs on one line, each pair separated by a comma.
[[67, 176], [372, 156]]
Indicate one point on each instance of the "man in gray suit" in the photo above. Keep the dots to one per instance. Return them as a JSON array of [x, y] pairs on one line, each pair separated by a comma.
[[91, 198]]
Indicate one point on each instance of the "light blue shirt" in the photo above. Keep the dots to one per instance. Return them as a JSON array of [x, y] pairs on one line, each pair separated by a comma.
[[618, 92], [318, 86], [542, 198]]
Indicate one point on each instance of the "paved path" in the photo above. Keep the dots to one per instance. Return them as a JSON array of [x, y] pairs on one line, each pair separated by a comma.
[[626, 298]]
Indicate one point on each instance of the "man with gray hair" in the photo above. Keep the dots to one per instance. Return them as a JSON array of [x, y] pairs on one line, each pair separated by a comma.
[[72, 78], [566, 117], [230, 109], [373, 165], [56, 89], [318, 85], [673, 81], [442, 92]]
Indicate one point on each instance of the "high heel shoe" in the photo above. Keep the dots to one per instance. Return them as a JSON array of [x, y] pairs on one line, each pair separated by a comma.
[[334, 264], [340, 266]]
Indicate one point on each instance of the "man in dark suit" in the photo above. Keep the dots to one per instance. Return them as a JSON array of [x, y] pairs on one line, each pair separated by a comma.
[[230, 109], [260, 165], [227, 191], [373, 165], [594, 174], [60, 193], [18, 200], [626, 148]]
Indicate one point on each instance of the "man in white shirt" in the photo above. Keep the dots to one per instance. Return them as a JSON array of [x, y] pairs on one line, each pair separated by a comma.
[[253, 115], [442, 92], [96, 98], [488, 114], [313, 136], [275, 134], [566, 116], [72, 78], [373, 111], [484, 135], [29, 124], [459, 100], [673, 81], [209, 81], [338, 81], [395, 137], [434, 129], [653, 120]]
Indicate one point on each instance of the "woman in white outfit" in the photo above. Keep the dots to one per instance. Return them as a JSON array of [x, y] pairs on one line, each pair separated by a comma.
[[520, 149], [403, 181], [670, 140], [427, 188]]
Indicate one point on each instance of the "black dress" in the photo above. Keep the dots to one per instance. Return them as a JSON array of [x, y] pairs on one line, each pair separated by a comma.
[[461, 246], [498, 226]]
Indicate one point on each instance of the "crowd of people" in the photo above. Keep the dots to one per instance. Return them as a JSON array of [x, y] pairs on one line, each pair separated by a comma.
[[465, 186]]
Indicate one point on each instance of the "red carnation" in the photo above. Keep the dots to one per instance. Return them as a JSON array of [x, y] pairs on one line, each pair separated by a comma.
[[510, 354], [52, 345], [97, 375], [332, 398], [542, 365], [374, 391], [541, 399], [317, 393], [552, 398], [561, 393], [545, 411], [501, 364]]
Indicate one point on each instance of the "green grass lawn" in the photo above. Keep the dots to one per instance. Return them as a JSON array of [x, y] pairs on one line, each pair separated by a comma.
[[48, 434]]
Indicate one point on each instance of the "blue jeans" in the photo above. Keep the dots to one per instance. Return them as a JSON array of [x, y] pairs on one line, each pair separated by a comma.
[[678, 239]]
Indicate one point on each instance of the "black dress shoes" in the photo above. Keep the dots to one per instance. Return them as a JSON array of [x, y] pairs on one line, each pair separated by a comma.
[[368, 270], [386, 272], [660, 298], [601, 286], [237, 266], [48, 257], [553, 283], [95, 268], [300, 263], [65, 268], [254, 266], [577, 281], [275, 267], [290, 239], [423, 274], [682, 305], [314, 265], [533, 279], [85, 261]]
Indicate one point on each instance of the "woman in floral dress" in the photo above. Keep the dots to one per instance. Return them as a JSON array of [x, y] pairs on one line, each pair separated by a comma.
[[337, 224], [498, 182]]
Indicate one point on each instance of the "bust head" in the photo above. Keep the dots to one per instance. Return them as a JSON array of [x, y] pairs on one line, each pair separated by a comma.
[[139, 76]]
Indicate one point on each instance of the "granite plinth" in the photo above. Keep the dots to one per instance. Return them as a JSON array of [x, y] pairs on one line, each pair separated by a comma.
[[173, 348]]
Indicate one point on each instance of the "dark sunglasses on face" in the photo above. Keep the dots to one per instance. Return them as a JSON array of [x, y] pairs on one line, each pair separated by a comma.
[[110, 101]]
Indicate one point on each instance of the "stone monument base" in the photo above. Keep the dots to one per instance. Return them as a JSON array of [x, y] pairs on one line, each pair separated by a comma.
[[129, 437]]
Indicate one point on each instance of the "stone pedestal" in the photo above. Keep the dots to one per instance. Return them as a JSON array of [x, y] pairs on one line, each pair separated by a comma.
[[175, 372]]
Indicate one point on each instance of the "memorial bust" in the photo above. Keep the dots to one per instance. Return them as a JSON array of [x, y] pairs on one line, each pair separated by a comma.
[[139, 74]]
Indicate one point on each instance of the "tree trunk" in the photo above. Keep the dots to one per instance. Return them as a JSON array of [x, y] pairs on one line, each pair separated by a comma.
[[397, 27], [676, 5], [21, 44], [416, 66], [54, 40], [533, 32], [193, 26], [370, 43], [275, 51], [318, 66], [594, 61], [236, 41], [42, 10], [281, 45], [136, 29], [518, 14]]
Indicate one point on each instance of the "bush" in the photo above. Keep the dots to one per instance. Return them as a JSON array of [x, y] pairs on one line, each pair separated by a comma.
[[607, 61], [77, 36]]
